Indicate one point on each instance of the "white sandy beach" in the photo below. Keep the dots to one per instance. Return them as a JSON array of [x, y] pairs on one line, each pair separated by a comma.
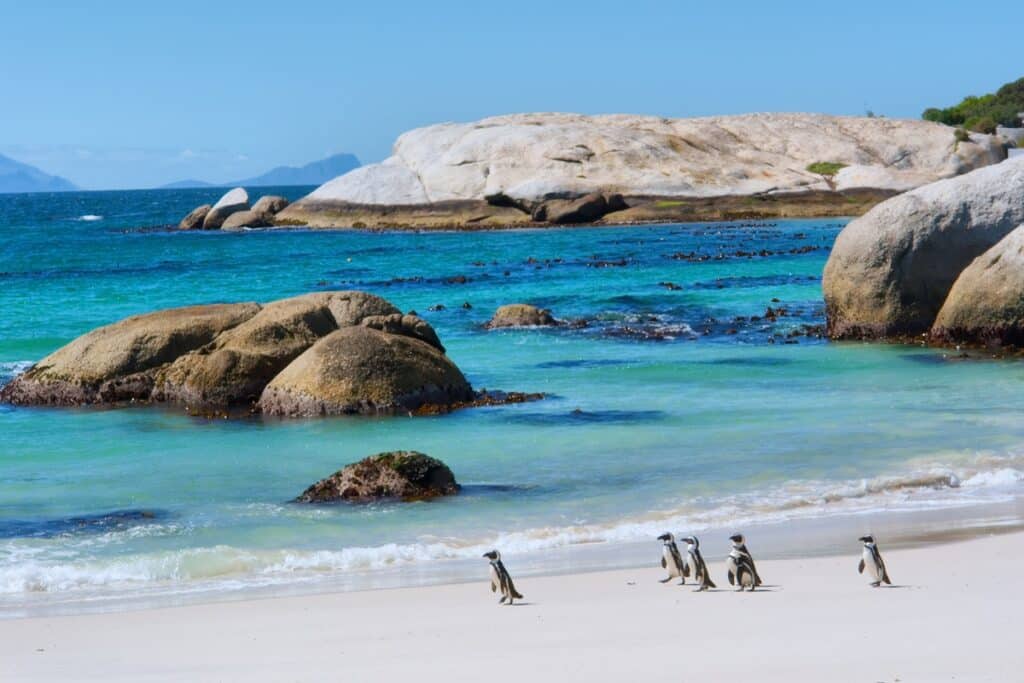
[[954, 614]]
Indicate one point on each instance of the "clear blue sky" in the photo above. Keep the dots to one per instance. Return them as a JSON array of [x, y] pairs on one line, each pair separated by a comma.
[[129, 94]]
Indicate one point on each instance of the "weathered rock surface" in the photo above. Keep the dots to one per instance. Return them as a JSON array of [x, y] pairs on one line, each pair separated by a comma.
[[890, 270], [194, 220], [114, 363], [260, 215], [986, 303], [408, 475], [534, 158], [363, 370], [233, 201], [521, 315], [236, 367], [585, 209], [320, 353]]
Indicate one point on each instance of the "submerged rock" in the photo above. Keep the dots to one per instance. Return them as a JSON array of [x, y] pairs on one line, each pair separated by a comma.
[[521, 315], [408, 475], [232, 202], [194, 220], [986, 303], [890, 270]]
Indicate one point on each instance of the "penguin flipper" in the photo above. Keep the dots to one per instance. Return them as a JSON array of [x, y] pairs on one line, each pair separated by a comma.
[[860, 567], [709, 583], [686, 569], [732, 578], [664, 564]]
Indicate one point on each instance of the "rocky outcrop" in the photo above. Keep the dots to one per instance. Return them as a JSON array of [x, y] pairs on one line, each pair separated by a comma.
[[315, 354], [406, 475], [260, 215], [585, 209], [194, 220], [236, 367], [890, 270], [521, 315], [363, 370], [117, 362], [517, 162], [232, 202], [986, 303]]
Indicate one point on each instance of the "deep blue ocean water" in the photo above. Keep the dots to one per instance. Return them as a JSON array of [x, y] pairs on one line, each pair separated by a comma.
[[678, 406]]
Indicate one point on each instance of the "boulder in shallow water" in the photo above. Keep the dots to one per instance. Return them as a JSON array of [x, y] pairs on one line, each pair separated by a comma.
[[233, 201], [236, 367], [117, 362], [408, 475], [260, 215], [194, 220], [521, 315], [891, 269], [986, 303], [367, 371], [585, 209]]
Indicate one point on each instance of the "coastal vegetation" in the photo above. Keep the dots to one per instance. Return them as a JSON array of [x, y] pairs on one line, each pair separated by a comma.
[[982, 114]]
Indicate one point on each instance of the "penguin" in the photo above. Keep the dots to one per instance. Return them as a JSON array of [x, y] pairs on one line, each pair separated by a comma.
[[500, 579], [740, 565], [672, 560], [871, 559], [695, 564]]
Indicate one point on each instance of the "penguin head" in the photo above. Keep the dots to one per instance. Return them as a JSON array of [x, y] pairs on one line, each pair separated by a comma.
[[667, 537], [493, 555], [692, 540], [867, 539], [737, 539]]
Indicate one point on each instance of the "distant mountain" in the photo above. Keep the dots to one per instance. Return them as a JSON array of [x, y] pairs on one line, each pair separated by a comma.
[[315, 173], [18, 177], [184, 184]]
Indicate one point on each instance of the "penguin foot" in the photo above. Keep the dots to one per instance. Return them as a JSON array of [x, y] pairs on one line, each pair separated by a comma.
[[876, 584], [682, 583], [665, 580]]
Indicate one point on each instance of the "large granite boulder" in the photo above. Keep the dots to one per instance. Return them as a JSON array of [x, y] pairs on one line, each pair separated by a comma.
[[364, 370], [532, 158], [407, 325], [585, 209], [233, 201], [890, 270], [260, 215], [320, 353], [986, 303], [521, 315], [236, 367], [194, 220], [407, 475], [117, 362]]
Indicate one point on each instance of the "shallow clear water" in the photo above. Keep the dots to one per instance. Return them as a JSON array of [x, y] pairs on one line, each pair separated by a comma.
[[671, 409]]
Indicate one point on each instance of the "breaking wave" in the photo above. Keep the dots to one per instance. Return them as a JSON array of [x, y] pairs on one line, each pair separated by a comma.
[[35, 568]]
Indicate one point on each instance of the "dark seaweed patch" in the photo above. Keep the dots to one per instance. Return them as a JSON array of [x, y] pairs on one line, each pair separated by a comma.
[[585, 417], [581, 363], [82, 524]]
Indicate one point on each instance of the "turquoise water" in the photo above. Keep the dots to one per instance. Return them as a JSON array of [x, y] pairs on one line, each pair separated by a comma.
[[671, 408]]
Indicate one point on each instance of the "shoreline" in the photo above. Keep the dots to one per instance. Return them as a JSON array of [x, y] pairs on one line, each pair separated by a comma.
[[948, 615], [479, 215], [823, 535]]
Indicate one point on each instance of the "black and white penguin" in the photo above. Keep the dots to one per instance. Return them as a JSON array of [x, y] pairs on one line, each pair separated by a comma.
[[871, 559], [672, 560], [500, 579], [740, 565], [695, 564]]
